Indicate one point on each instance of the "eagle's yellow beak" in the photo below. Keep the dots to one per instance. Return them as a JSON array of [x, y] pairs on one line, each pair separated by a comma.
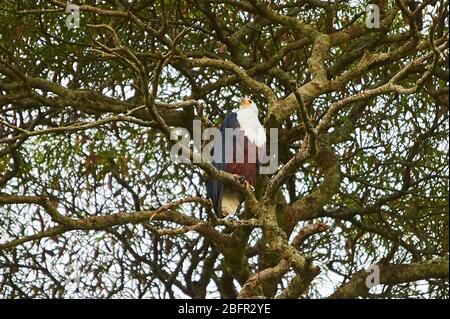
[[246, 102]]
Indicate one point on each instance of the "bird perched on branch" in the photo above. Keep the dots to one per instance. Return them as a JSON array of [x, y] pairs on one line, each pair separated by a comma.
[[239, 151]]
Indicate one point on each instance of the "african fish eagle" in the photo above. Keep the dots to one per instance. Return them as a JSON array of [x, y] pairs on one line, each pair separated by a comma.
[[247, 147]]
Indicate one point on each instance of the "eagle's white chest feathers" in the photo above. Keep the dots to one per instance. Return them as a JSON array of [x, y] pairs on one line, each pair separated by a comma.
[[249, 123]]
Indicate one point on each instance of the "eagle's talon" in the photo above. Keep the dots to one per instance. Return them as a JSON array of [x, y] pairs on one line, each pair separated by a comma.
[[241, 179]]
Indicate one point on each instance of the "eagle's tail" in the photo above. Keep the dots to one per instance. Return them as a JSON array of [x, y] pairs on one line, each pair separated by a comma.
[[230, 202]]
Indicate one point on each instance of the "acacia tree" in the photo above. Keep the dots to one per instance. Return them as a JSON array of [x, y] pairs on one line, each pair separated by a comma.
[[91, 204]]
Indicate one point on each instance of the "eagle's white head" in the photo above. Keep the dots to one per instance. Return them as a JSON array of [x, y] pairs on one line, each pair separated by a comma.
[[247, 104], [247, 116]]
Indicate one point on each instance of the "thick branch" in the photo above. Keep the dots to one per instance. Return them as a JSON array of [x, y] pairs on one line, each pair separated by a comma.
[[393, 274]]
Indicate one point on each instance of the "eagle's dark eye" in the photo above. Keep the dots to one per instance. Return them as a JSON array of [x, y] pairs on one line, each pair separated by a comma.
[[250, 101]]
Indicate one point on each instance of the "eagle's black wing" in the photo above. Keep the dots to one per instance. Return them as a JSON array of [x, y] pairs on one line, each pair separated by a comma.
[[214, 188]]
